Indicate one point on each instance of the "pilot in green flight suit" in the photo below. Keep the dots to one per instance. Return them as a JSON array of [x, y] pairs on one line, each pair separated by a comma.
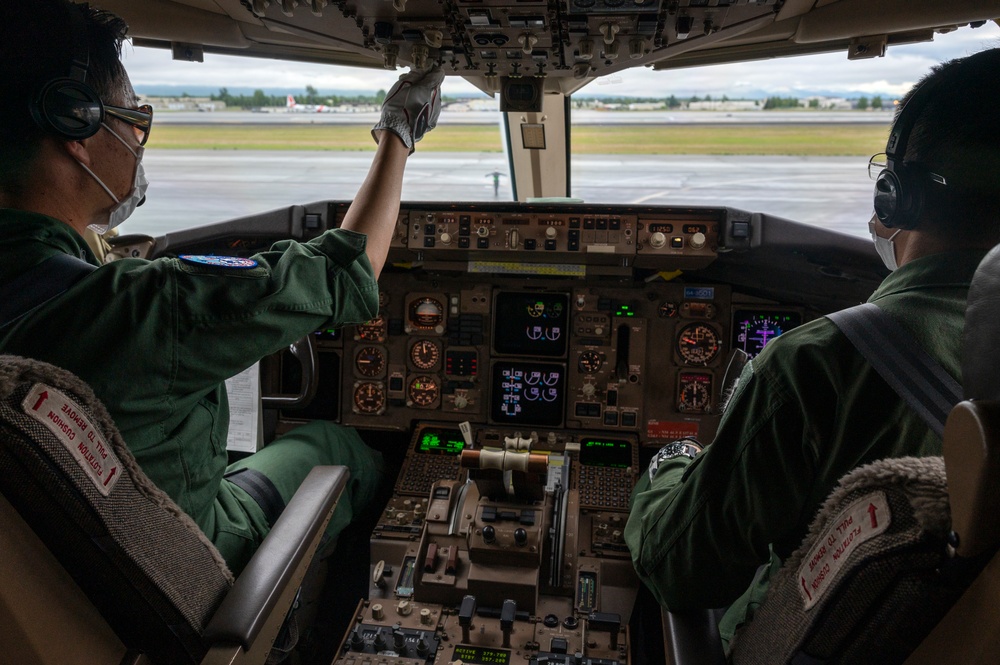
[[157, 339], [706, 527]]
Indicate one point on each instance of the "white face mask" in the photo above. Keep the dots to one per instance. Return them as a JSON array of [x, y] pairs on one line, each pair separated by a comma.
[[126, 206], [885, 247]]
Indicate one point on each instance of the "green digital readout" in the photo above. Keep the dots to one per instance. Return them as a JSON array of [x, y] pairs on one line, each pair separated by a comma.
[[606, 452], [441, 441], [481, 656]]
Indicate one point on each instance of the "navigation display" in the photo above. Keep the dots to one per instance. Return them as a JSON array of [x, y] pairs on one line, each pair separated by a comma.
[[531, 324], [753, 328], [615, 453], [528, 393], [440, 441]]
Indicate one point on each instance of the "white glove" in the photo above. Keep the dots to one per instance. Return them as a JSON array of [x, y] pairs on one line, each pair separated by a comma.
[[412, 106]]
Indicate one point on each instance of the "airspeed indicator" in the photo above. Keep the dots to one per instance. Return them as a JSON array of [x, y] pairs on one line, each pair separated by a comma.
[[698, 344]]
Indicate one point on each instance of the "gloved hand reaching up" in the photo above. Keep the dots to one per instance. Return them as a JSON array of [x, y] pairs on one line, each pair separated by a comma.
[[412, 106]]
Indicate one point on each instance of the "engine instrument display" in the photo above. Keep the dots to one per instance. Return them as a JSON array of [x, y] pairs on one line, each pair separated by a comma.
[[698, 344], [528, 393], [531, 324], [753, 329]]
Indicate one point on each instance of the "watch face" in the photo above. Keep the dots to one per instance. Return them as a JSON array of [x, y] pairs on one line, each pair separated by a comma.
[[670, 451]]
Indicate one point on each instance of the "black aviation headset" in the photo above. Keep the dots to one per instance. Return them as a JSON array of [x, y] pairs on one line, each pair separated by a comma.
[[899, 187], [67, 106]]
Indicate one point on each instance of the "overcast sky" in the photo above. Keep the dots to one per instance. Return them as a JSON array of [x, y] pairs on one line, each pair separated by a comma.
[[894, 74]]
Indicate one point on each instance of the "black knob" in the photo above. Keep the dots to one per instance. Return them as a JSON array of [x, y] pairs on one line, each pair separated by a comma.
[[380, 643], [489, 534], [520, 537], [550, 621], [357, 641]]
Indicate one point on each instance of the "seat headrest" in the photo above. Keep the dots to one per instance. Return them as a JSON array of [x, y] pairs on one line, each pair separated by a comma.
[[144, 564], [980, 375]]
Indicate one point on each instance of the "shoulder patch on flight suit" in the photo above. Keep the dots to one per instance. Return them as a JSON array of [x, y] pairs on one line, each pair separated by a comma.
[[233, 262]]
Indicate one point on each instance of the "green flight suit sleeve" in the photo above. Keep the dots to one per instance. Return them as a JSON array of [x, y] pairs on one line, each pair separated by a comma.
[[700, 530], [228, 319]]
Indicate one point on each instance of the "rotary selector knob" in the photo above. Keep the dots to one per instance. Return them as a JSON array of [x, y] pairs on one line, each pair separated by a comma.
[[657, 240], [589, 389], [482, 231], [697, 241], [551, 233], [403, 608], [520, 537], [445, 238], [378, 613], [489, 534], [461, 401]]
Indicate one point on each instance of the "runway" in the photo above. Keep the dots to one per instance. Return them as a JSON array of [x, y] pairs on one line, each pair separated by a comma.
[[579, 117], [190, 188]]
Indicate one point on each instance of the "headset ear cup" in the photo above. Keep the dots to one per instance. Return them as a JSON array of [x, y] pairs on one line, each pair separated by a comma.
[[887, 198], [68, 108], [898, 197]]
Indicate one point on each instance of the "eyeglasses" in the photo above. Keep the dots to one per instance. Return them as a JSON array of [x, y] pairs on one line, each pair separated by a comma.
[[140, 119], [878, 162]]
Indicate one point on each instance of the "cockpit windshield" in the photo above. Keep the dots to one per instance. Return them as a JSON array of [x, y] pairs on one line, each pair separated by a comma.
[[788, 137]]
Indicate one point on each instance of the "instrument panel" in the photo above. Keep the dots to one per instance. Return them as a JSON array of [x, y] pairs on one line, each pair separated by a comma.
[[647, 360], [533, 356], [621, 319]]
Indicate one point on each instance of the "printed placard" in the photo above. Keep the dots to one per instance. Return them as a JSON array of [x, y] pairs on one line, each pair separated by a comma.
[[74, 430], [864, 519]]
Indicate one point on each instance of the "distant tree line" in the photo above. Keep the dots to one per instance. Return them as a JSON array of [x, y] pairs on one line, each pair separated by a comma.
[[311, 96], [673, 102]]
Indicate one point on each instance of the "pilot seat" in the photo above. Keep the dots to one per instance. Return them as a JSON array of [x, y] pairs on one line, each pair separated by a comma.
[[901, 564], [100, 566]]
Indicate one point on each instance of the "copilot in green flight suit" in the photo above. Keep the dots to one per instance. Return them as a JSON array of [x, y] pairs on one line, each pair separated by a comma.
[[807, 410], [157, 339]]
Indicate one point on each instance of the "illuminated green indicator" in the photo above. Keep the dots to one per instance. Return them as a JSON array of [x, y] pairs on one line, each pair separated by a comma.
[[625, 310], [481, 656], [432, 442]]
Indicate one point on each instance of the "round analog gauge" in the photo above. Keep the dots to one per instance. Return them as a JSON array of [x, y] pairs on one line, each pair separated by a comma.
[[424, 390], [698, 344], [369, 397], [590, 361], [370, 361], [668, 310], [426, 313], [695, 392], [425, 354]]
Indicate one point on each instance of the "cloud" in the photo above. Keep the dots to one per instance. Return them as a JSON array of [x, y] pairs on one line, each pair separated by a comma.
[[894, 73]]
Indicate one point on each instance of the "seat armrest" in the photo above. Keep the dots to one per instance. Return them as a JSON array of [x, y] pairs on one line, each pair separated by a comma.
[[692, 638], [280, 560]]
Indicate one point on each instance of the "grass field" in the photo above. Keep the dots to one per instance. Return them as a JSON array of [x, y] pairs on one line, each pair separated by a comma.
[[817, 140]]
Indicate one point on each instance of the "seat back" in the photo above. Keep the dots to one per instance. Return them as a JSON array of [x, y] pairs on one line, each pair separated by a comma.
[[872, 577], [148, 570], [886, 585]]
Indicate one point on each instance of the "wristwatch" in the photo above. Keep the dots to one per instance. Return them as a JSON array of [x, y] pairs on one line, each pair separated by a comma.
[[682, 448]]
